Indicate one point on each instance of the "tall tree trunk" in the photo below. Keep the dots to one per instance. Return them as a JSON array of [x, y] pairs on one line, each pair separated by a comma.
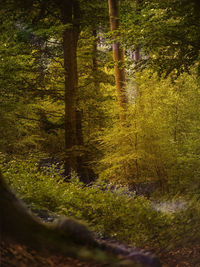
[[71, 17], [71, 85], [75, 158], [118, 54]]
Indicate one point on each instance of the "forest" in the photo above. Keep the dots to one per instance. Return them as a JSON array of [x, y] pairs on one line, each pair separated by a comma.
[[100, 133]]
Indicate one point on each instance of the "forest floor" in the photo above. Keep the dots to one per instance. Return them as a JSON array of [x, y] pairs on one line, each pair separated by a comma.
[[13, 254], [181, 257]]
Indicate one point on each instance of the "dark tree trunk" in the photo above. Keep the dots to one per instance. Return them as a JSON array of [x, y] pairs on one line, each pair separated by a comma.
[[75, 159], [70, 41]]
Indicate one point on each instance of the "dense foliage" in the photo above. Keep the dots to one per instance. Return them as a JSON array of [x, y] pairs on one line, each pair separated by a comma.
[[117, 212], [160, 142], [58, 101]]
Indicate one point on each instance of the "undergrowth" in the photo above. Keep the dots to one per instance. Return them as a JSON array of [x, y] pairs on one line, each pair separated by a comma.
[[128, 218]]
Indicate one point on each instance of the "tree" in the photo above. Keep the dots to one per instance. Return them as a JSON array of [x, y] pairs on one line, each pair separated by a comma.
[[70, 11], [51, 30], [168, 34], [118, 54]]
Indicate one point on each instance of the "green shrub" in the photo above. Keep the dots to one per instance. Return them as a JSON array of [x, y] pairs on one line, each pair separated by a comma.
[[128, 218], [160, 140]]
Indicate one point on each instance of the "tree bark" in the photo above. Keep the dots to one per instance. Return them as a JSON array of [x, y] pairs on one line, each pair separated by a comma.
[[118, 53], [71, 17], [70, 40], [75, 159]]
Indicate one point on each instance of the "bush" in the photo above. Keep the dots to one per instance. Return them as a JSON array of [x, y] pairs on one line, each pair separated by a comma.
[[128, 218], [160, 140]]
